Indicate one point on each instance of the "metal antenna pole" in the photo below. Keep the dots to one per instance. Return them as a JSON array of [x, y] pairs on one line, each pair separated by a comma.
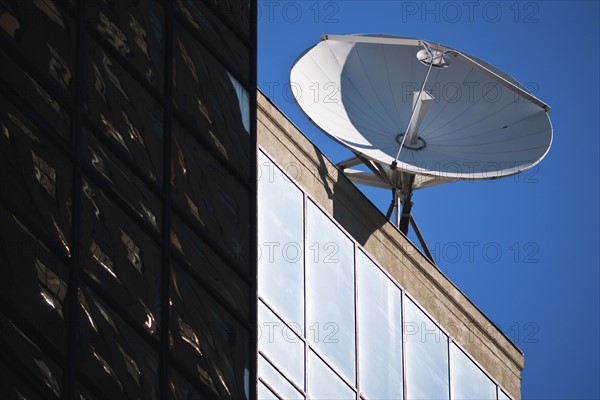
[[406, 193], [397, 206], [392, 206], [405, 218]]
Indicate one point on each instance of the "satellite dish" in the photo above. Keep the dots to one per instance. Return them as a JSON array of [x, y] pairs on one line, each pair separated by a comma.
[[418, 113]]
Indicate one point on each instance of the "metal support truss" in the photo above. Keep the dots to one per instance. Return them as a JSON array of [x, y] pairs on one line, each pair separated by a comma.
[[400, 183]]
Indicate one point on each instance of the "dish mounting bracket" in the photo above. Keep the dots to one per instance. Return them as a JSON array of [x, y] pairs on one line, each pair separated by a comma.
[[402, 185]]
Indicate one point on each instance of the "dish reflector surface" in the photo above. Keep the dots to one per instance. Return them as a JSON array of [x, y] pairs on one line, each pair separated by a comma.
[[478, 124]]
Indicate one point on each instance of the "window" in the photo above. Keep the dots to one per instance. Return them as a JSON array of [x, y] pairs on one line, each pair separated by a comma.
[[281, 242], [469, 382], [380, 332], [330, 291], [426, 356]]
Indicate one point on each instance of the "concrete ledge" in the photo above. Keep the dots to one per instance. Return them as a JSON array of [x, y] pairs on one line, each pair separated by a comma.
[[424, 282]]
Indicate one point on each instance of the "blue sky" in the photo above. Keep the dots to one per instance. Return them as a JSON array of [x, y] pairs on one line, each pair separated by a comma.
[[524, 249]]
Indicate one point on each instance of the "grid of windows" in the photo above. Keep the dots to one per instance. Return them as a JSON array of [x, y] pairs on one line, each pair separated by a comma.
[[332, 324], [127, 137]]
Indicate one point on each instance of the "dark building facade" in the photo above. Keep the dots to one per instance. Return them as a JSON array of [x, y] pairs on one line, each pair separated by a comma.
[[127, 199]]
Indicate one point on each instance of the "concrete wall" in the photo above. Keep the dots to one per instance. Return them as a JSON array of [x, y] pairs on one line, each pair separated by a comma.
[[321, 179]]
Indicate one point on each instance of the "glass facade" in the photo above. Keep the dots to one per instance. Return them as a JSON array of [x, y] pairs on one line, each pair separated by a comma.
[[343, 328], [127, 199]]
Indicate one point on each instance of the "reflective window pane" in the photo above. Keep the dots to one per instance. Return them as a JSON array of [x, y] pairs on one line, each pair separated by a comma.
[[502, 395], [181, 389], [426, 356], [84, 393], [281, 242], [380, 332], [469, 382], [278, 383], [119, 362], [52, 52], [264, 393], [33, 281], [124, 183], [204, 263], [38, 174], [211, 197], [243, 98], [121, 258], [207, 100], [123, 111], [206, 340], [13, 386], [38, 98], [330, 291], [135, 31], [323, 383], [281, 345], [224, 41], [235, 12], [20, 350]]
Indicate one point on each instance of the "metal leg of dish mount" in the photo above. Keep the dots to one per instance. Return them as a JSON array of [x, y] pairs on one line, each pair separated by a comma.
[[396, 199], [405, 217], [350, 162], [376, 169], [406, 199], [393, 205], [421, 239]]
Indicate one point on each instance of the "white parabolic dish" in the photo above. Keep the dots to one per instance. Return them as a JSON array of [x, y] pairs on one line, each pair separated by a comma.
[[472, 121]]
